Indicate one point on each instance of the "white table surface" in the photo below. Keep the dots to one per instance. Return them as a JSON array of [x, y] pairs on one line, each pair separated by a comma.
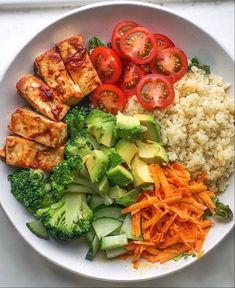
[[20, 265]]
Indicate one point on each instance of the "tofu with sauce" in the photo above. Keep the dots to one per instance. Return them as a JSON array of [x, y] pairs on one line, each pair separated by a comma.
[[76, 59], [24, 153], [51, 69], [41, 97], [36, 127]]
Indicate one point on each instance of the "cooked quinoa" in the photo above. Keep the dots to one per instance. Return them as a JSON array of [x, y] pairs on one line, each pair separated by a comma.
[[198, 129]]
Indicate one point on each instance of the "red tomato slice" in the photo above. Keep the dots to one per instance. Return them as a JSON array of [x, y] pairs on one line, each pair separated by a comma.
[[155, 91], [119, 30], [170, 62], [109, 98], [131, 75], [107, 64], [138, 45], [163, 42]]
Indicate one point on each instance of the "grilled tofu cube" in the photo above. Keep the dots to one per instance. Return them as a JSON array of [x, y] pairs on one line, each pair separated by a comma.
[[24, 153], [76, 59], [41, 97], [51, 68], [38, 128]]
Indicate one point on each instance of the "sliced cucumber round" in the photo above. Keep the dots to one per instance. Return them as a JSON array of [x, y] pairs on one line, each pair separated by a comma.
[[93, 249], [111, 242], [113, 211], [37, 229], [113, 253], [106, 225]]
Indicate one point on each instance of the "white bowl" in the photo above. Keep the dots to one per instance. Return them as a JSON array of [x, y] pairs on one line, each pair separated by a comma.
[[99, 19]]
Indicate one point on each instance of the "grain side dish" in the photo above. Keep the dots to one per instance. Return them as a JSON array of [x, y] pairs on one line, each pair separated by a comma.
[[198, 129], [126, 143]]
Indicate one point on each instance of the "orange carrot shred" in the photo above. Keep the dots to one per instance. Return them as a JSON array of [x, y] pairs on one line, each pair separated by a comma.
[[169, 217]]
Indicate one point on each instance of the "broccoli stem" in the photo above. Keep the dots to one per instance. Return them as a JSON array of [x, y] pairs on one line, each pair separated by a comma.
[[77, 188], [87, 183]]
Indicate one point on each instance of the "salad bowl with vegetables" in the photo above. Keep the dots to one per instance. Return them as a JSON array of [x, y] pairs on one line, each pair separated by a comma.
[[95, 179]]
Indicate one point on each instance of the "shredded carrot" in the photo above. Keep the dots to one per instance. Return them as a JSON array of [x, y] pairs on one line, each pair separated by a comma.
[[169, 217]]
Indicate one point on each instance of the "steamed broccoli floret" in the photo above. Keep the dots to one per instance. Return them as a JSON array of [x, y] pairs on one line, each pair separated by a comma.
[[32, 188], [75, 120], [81, 145], [64, 174], [67, 219]]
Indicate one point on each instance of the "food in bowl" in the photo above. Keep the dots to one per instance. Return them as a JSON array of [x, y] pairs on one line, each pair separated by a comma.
[[108, 169]]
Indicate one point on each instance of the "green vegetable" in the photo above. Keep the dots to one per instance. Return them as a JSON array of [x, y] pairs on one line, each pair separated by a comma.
[[119, 176], [129, 198], [102, 126], [223, 212], [69, 218], [64, 174], [97, 164], [82, 144], [177, 258], [114, 158], [75, 120], [37, 229], [95, 42], [128, 127], [32, 188], [195, 62]]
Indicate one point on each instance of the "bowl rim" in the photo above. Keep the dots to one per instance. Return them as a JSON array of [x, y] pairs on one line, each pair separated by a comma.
[[11, 61]]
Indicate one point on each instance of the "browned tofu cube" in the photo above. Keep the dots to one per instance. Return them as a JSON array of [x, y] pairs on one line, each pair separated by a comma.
[[51, 68], [78, 63], [41, 97], [24, 153], [38, 128]]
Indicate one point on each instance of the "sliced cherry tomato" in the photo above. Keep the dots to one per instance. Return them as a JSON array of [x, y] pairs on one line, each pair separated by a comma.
[[119, 30], [131, 75], [163, 42], [170, 62], [155, 91], [107, 64], [138, 45], [109, 98]]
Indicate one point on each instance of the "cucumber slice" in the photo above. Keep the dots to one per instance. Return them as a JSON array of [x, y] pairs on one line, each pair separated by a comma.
[[106, 225], [127, 228], [37, 229], [95, 201], [111, 242], [108, 211], [116, 232], [112, 253], [90, 235], [93, 249]]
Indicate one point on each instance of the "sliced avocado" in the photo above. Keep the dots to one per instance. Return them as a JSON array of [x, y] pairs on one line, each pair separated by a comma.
[[108, 138], [152, 152], [153, 131], [128, 127], [140, 172], [127, 150], [102, 126], [119, 176], [103, 185], [129, 198], [116, 192], [114, 157], [97, 164]]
